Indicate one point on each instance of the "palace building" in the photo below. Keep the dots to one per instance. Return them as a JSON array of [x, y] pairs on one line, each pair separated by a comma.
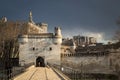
[[84, 40]]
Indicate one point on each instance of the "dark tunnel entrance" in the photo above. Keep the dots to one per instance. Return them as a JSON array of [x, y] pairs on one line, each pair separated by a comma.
[[40, 62]]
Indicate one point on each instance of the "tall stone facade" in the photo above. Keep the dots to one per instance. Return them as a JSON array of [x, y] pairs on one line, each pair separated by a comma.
[[35, 46]]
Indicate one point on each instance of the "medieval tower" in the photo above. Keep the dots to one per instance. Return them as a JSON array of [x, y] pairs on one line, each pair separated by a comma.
[[39, 46]]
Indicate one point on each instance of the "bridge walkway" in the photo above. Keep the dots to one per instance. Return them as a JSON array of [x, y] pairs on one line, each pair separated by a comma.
[[38, 73]]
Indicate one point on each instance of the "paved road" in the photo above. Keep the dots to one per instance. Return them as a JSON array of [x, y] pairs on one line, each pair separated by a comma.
[[38, 73]]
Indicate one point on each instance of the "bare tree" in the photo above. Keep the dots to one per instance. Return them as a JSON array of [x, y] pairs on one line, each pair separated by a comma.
[[117, 33], [117, 36]]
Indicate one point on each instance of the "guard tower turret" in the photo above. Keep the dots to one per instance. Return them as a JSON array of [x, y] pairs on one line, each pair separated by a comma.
[[57, 36]]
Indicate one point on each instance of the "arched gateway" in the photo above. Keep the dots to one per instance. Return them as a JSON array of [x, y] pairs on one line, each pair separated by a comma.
[[40, 62]]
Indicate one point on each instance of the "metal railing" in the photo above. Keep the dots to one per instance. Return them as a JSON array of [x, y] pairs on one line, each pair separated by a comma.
[[6, 74], [9, 74], [81, 75], [58, 72]]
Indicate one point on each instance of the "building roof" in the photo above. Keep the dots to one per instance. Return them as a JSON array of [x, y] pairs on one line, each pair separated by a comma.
[[68, 42]]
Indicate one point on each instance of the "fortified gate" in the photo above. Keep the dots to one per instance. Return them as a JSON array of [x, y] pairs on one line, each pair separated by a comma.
[[38, 46]]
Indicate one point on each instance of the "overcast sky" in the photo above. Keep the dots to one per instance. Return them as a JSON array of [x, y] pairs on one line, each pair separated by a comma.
[[75, 17]]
